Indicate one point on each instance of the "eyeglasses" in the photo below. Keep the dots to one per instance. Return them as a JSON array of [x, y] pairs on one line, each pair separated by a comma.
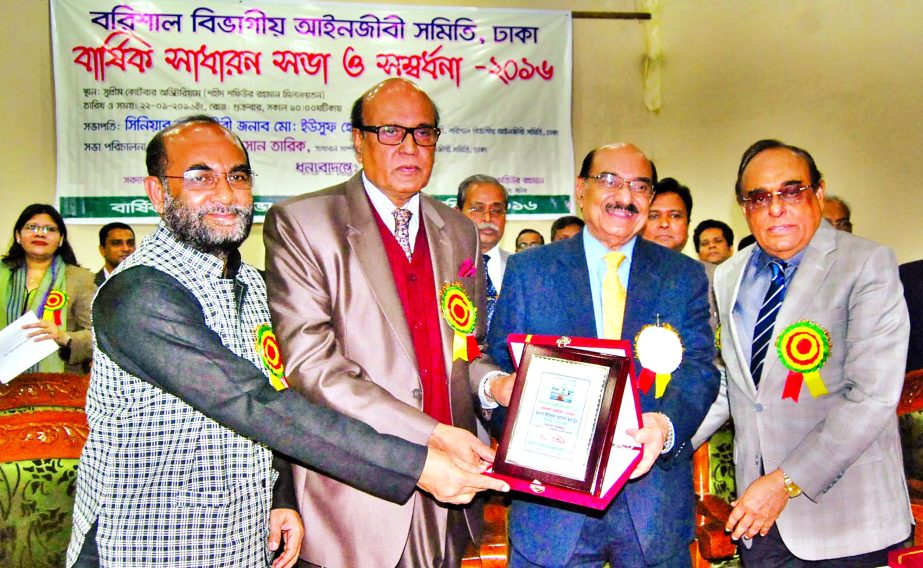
[[40, 229], [611, 181], [524, 246], [394, 135], [240, 180], [761, 198], [480, 210]]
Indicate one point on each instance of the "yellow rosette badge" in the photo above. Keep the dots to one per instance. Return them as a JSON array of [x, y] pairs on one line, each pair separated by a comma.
[[462, 317], [54, 303], [268, 349], [803, 348]]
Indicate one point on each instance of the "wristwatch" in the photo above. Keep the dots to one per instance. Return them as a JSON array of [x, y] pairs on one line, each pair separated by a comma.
[[790, 486]]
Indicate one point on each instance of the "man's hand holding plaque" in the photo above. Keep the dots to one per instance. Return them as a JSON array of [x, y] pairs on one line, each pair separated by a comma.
[[573, 432], [653, 435]]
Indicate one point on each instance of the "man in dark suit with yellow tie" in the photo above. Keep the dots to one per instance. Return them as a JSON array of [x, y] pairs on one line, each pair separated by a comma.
[[607, 282]]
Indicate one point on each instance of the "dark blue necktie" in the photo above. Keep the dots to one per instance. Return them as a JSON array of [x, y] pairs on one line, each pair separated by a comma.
[[762, 333], [491, 292]]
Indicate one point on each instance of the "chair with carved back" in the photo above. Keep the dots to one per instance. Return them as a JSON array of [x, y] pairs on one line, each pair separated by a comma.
[[713, 483], [910, 413], [43, 428]]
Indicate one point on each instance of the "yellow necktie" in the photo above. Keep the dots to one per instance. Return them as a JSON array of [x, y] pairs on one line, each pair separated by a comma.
[[613, 297]]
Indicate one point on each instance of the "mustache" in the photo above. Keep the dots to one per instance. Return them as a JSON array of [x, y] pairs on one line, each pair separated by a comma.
[[238, 210], [630, 207], [488, 225]]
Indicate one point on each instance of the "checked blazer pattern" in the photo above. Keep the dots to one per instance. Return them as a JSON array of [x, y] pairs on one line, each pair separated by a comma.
[[168, 485]]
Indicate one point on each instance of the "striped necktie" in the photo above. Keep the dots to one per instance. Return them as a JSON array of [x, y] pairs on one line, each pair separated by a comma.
[[491, 292], [613, 297], [402, 229], [762, 333]]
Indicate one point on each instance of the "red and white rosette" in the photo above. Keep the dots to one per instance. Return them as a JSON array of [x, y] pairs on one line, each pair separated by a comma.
[[660, 350]]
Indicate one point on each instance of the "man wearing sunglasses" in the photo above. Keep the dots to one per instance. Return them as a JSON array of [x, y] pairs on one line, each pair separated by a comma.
[[357, 274], [814, 339]]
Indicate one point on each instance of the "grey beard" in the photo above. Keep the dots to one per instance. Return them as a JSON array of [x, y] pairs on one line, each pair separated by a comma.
[[190, 227]]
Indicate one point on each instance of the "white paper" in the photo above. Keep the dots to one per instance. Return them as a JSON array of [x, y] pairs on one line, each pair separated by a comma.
[[18, 352], [558, 413]]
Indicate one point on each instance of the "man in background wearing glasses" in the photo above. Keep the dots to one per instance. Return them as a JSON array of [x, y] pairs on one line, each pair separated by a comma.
[[188, 395], [814, 341], [484, 200], [608, 282], [356, 275]]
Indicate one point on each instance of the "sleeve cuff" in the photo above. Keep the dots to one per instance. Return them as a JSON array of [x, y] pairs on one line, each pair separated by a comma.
[[488, 403], [671, 436]]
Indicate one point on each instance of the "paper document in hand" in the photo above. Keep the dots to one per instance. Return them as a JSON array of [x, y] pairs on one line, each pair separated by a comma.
[[18, 352]]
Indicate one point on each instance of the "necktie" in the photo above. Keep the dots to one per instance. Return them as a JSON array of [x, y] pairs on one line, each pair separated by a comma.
[[613, 297], [402, 229], [491, 292], [762, 333]]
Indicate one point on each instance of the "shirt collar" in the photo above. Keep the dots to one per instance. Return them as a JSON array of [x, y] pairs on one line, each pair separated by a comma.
[[596, 250], [494, 252], [384, 205], [761, 259]]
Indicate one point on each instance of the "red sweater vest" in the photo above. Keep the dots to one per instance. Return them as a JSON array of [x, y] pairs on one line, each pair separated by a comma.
[[416, 287]]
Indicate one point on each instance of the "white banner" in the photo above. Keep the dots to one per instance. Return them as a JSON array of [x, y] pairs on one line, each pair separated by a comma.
[[283, 76]]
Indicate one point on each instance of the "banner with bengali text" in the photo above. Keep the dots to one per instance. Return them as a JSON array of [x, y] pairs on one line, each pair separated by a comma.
[[283, 76]]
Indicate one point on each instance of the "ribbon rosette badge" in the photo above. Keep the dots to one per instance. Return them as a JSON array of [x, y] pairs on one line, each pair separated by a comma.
[[53, 305], [660, 351], [268, 349], [803, 348], [462, 317]]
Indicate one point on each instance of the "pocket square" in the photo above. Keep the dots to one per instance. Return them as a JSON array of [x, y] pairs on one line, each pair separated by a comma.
[[467, 269]]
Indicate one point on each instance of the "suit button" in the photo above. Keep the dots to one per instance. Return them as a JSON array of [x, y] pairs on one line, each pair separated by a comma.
[[758, 407], [417, 394], [412, 277]]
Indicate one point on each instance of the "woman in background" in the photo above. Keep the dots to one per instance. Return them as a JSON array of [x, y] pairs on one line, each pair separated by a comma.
[[40, 274]]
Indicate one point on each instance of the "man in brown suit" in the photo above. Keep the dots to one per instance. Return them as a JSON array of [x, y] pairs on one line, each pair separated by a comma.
[[355, 275]]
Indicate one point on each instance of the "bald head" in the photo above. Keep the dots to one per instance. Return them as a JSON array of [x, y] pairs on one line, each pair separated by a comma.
[[357, 114], [394, 136], [614, 190]]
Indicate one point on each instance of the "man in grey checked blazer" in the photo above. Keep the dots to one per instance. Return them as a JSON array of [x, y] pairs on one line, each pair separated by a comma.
[[820, 473], [187, 399]]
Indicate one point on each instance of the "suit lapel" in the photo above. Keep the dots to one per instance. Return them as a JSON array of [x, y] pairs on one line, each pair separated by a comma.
[[741, 260], [576, 298], [644, 285], [442, 254], [365, 241], [813, 269]]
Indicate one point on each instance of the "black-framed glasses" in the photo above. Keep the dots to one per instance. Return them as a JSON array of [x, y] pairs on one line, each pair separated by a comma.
[[792, 193], [394, 135], [611, 181], [241, 180]]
